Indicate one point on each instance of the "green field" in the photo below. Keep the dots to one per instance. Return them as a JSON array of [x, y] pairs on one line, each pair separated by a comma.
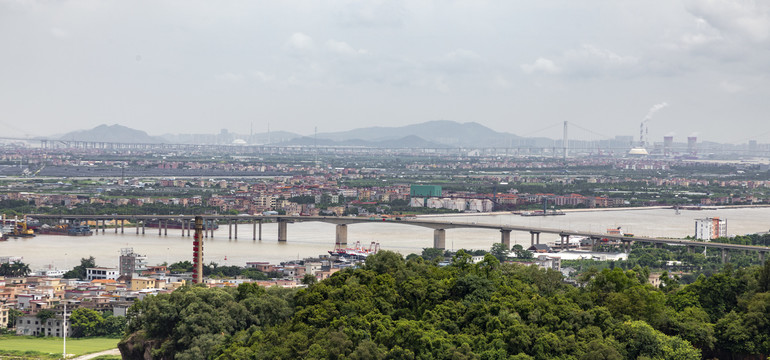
[[52, 345]]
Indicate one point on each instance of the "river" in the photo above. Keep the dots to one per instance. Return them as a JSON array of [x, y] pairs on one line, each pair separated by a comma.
[[313, 238]]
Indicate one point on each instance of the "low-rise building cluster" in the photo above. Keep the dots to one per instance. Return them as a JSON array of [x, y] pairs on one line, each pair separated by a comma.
[[113, 290]]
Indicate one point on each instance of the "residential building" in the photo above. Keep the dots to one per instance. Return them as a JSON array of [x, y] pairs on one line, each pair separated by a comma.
[[710, 228], [131, 263], [99, 273], [3, 316]]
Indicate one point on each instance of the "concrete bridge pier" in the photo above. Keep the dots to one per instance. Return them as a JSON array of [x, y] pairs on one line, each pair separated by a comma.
[[564, 241], [690, 248], [205, 228], [341, 237], [230, 229], [535, 237], [658, 245], [505, 238], [260, 229], [439, 239], [761, 257], [165, 228], [115, 225], [236, 230], [282, 227], [142, 227], [104, 225], [626, 246], [122, 223], [136, 222], [160, 227], [725, 256]]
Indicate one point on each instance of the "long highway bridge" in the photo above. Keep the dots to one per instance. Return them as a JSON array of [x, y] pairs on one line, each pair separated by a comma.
[[525, 147], [439, 229]]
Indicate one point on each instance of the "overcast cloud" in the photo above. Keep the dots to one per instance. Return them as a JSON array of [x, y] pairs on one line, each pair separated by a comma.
[[514, 66]]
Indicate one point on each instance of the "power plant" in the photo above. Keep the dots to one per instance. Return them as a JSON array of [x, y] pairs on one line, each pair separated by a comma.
[[644, 131]]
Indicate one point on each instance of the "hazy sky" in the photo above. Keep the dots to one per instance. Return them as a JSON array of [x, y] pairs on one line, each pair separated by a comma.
[[516, 66]]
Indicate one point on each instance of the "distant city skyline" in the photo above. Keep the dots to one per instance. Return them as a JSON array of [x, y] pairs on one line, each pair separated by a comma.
[[515, 67]]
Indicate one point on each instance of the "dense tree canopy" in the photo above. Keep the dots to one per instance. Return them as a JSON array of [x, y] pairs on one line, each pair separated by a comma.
[[80, 271], [88, 322], [16, 268], [396, 309]]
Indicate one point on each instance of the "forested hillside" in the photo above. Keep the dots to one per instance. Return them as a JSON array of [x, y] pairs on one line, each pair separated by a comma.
[[397, 309]]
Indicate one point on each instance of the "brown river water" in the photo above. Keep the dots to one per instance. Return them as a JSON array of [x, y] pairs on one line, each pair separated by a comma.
[[313, 238]]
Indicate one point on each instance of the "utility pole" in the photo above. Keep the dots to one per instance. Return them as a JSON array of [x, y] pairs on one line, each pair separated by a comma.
[[64, 331]]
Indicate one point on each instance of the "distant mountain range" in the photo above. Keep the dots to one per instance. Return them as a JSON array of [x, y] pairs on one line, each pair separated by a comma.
[[436, 134], [410, 141], [113, 133], [444, 132]]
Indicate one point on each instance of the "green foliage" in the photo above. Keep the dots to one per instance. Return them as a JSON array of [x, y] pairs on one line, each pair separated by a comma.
[[303, 199], [432, 253], [84, 322], [14, 269], [181, 266], [87, 322], [194, 322], [521, 253], [79, 272], [309, 279], [391, 308], [45, 314], [13, 314], [500, 251], [764, 277]]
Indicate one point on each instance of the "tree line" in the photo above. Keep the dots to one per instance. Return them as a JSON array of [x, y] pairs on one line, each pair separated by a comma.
[[392, 308]]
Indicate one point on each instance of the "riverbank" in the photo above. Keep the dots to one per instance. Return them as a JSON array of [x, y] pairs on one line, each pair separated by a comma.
[[634, 208]]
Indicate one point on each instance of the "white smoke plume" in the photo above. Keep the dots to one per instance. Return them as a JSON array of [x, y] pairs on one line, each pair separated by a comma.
[[655, 108]]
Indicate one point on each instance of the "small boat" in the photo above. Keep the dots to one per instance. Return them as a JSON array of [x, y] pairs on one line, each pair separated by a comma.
[[541, 213], [358, 251]]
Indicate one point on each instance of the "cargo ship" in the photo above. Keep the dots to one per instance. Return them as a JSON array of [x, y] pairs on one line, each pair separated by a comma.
[[69, 230], [16, 228]]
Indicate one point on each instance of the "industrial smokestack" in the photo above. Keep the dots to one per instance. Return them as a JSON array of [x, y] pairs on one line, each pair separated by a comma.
[[643, 130]]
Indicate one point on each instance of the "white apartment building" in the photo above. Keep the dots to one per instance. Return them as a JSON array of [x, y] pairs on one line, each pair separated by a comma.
[[710, 228], [102, 273]]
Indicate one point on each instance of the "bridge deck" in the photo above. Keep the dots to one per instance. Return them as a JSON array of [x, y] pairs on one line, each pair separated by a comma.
[[433, 224]]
